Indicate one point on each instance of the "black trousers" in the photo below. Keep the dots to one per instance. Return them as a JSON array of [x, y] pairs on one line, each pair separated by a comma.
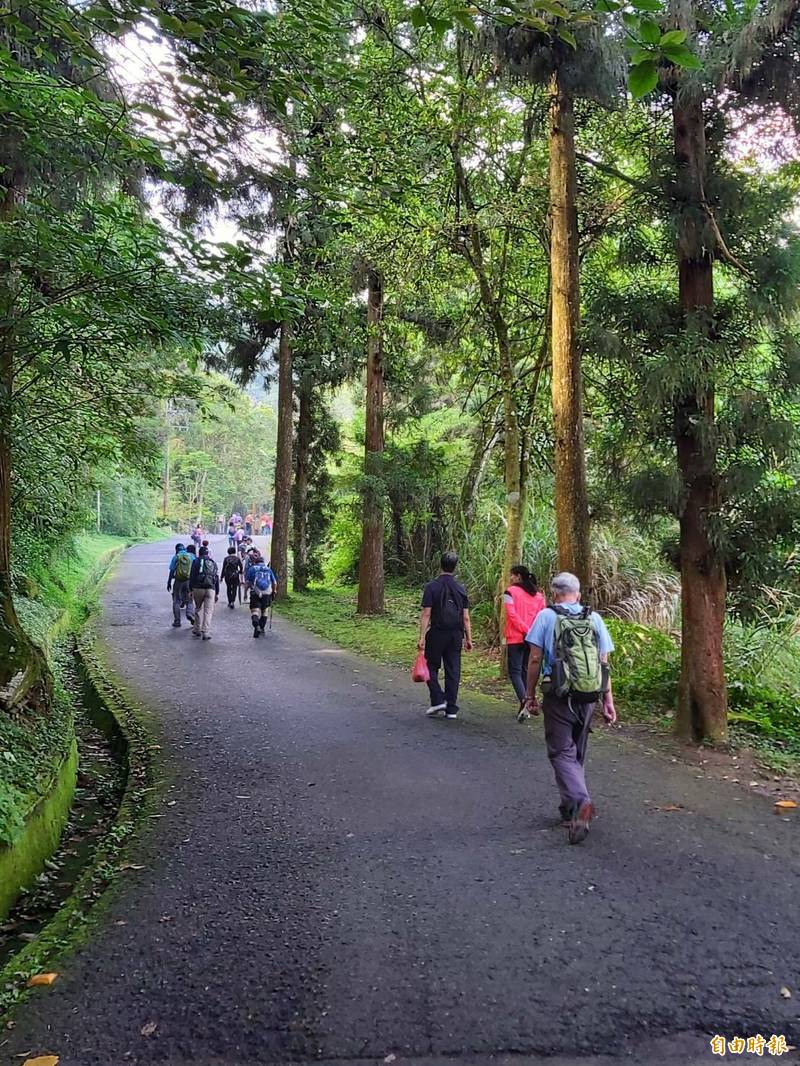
[[232, 584], [443, 648], [518, 655]]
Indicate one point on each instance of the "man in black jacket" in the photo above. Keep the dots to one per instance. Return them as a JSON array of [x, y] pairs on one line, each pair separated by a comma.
[[444, 629], [204, 584], [232, 574]]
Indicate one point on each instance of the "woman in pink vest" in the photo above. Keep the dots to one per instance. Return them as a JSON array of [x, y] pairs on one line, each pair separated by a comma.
[[522, 601]]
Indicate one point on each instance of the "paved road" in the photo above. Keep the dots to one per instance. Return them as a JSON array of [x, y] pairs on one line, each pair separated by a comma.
[[336, 878]]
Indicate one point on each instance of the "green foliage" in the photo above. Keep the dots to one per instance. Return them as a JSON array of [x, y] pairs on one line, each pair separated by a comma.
[[61, 587]]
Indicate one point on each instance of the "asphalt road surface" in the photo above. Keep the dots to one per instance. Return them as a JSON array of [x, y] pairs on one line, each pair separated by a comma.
[[336, 878]]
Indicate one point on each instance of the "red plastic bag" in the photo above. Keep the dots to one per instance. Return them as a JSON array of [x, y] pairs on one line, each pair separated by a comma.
[[420, 671]]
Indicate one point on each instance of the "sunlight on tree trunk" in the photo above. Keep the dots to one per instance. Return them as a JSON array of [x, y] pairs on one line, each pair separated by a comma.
[[571, 505], [370, 565], [283, 462], [702, 693]]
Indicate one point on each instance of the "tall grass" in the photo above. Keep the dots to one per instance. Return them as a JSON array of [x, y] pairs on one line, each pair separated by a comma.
[[631, 582]]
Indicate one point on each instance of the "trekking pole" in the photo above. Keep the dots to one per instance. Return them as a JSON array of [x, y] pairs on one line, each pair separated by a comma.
[[270, 618]]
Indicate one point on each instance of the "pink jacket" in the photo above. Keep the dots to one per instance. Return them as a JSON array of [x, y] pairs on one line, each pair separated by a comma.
[[521, 609]]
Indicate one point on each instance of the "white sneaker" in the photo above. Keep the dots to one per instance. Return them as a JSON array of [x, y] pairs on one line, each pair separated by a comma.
[[432, 712]]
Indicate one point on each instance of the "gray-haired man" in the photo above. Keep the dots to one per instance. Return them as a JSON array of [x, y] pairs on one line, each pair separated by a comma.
[[567, 721]]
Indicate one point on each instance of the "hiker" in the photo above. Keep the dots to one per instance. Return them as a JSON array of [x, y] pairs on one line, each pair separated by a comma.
[[522, 602], [444, 628], [263, 585], [231, 575], [264, 524], [248, 524], [231, 533], [204, 583], [180, 568], [197, 535], [570, 645], [220, 523]]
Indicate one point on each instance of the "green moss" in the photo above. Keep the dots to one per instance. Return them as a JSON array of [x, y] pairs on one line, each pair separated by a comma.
[[33, 747], [39, 835]]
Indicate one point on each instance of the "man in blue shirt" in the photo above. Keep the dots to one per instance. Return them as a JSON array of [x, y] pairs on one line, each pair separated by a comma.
[[178, 585], [567, 722]]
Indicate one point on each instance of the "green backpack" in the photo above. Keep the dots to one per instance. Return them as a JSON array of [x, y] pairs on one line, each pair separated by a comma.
[[577, 670], [183, 566]]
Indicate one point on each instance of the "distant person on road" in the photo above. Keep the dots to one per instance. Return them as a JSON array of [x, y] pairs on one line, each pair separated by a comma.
[[444, 629], [570, 645], [264, 524], [263, 585], [197, 535], [204, 583], [231, 533], [232, 575], [180, 569], [248, 524], [522, 602], [220, 523]]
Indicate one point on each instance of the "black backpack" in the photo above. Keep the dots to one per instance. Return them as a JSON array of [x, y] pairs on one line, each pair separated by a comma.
[[449, 612], [206, 574]]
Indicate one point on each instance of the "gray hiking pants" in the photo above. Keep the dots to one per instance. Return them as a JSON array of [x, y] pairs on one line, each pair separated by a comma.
[[566, 733], [181, 597]]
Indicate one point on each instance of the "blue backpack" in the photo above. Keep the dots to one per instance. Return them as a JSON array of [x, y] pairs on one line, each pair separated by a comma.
[[262, 578]]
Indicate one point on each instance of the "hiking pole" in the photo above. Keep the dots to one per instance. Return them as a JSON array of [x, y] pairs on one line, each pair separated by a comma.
[[270, 618]]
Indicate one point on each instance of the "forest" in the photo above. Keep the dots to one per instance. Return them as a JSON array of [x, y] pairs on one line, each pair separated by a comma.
[[515, 278]]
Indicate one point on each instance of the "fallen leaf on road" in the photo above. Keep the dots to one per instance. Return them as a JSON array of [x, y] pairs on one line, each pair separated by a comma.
[[42, 979], [42, 1060], [670, 807], [785, 805], [149, 1028], [131, 866], [786, 993]]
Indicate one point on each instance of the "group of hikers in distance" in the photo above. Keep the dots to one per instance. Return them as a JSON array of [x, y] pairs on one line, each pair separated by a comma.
[[194, 579], [562, 648]]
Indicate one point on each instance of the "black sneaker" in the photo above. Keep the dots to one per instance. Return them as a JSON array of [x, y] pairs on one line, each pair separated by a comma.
[[176, 625], [452, 713], [256, 632]]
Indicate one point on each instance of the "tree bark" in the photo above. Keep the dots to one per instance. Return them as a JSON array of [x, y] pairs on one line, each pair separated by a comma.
[[25, 680], [300, 489], [702, 692], [571, 502], [283, 462], [370, 564]]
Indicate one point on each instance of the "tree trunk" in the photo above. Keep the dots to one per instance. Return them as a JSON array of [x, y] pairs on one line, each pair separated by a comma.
[[370, 564], [571, 504], [283, 463], [24, 676], [473, 480], [702, 693], [300, 490]]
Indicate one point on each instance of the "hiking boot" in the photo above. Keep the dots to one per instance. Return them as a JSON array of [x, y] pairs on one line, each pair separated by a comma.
[[262, 623], [433, 710], [579, 826], [206, 636], [256, 632], [176, 625]]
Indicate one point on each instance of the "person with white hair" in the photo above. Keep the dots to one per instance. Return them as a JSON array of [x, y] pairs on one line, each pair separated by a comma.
[[570, 645]]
